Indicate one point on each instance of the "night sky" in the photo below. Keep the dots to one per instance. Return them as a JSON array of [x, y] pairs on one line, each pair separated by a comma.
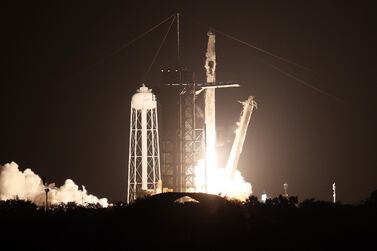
[[65, 110]]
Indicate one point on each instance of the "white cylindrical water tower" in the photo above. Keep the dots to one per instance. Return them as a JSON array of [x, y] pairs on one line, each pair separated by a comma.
[[144, 175]]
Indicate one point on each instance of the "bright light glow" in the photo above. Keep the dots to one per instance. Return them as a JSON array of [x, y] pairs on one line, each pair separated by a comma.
[[264, 198], [221, 184], [219, 181], [210, 121], [209, 177], [200, 181]]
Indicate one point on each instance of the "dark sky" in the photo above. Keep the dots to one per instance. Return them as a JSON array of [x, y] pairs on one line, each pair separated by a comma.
[[65, 116]]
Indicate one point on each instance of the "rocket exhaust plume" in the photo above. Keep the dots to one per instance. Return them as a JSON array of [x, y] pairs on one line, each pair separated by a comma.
[[27, 185], [236, 150], [228, 181], [208, 177]]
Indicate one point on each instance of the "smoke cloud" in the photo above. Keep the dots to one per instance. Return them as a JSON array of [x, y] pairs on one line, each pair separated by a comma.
[[219, 182], [27, 185]]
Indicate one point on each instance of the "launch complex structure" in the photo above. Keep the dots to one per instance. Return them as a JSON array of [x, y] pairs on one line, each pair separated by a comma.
[[177, 151], [167, 159]]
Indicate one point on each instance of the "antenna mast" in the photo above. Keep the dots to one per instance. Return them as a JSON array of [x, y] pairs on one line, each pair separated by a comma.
[[178, 49]]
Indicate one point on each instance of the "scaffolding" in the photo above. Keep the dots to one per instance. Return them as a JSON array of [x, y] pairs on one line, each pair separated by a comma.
[[182, 141]]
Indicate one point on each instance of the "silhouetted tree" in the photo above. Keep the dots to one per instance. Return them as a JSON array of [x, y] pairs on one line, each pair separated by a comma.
[[372, 200], [252, 201], [293, 200], [17, 205], [211, 223]]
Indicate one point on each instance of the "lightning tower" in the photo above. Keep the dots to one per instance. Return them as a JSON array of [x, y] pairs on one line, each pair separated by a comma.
[[285, 185]]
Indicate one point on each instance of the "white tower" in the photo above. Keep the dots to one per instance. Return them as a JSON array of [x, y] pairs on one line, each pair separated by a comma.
[[285, 185], [144, 174]]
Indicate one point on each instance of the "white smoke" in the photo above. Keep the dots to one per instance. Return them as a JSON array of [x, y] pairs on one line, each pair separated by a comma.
[[234, 188], [219, 182], [27, 185]]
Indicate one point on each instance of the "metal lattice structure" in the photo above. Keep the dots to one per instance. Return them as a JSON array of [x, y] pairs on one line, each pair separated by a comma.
[[144, 175], [192, 138], [182, 131]]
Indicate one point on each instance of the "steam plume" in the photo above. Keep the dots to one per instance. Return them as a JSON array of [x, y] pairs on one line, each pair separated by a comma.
[[27, 185]]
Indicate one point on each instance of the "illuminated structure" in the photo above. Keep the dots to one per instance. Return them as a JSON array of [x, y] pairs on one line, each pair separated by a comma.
[[144, 155], [188, 136], [264, 197], [182, 134], [210, 109], [236, 150], [285, 185]]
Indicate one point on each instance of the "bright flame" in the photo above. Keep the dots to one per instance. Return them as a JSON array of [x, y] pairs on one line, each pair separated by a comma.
[[221, 183], [200, 177], [208, 177]]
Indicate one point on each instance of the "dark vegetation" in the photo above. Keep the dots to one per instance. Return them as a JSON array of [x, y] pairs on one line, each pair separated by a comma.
[[214, 223]]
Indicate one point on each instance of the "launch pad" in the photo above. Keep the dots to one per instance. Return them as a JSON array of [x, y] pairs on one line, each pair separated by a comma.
[[187, 136]]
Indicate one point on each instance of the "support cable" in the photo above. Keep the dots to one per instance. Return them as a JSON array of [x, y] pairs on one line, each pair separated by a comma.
[[262, 50], [303, 82], [116, 51], [282, 71], [275, 67], [178, 45], [158, 50]]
